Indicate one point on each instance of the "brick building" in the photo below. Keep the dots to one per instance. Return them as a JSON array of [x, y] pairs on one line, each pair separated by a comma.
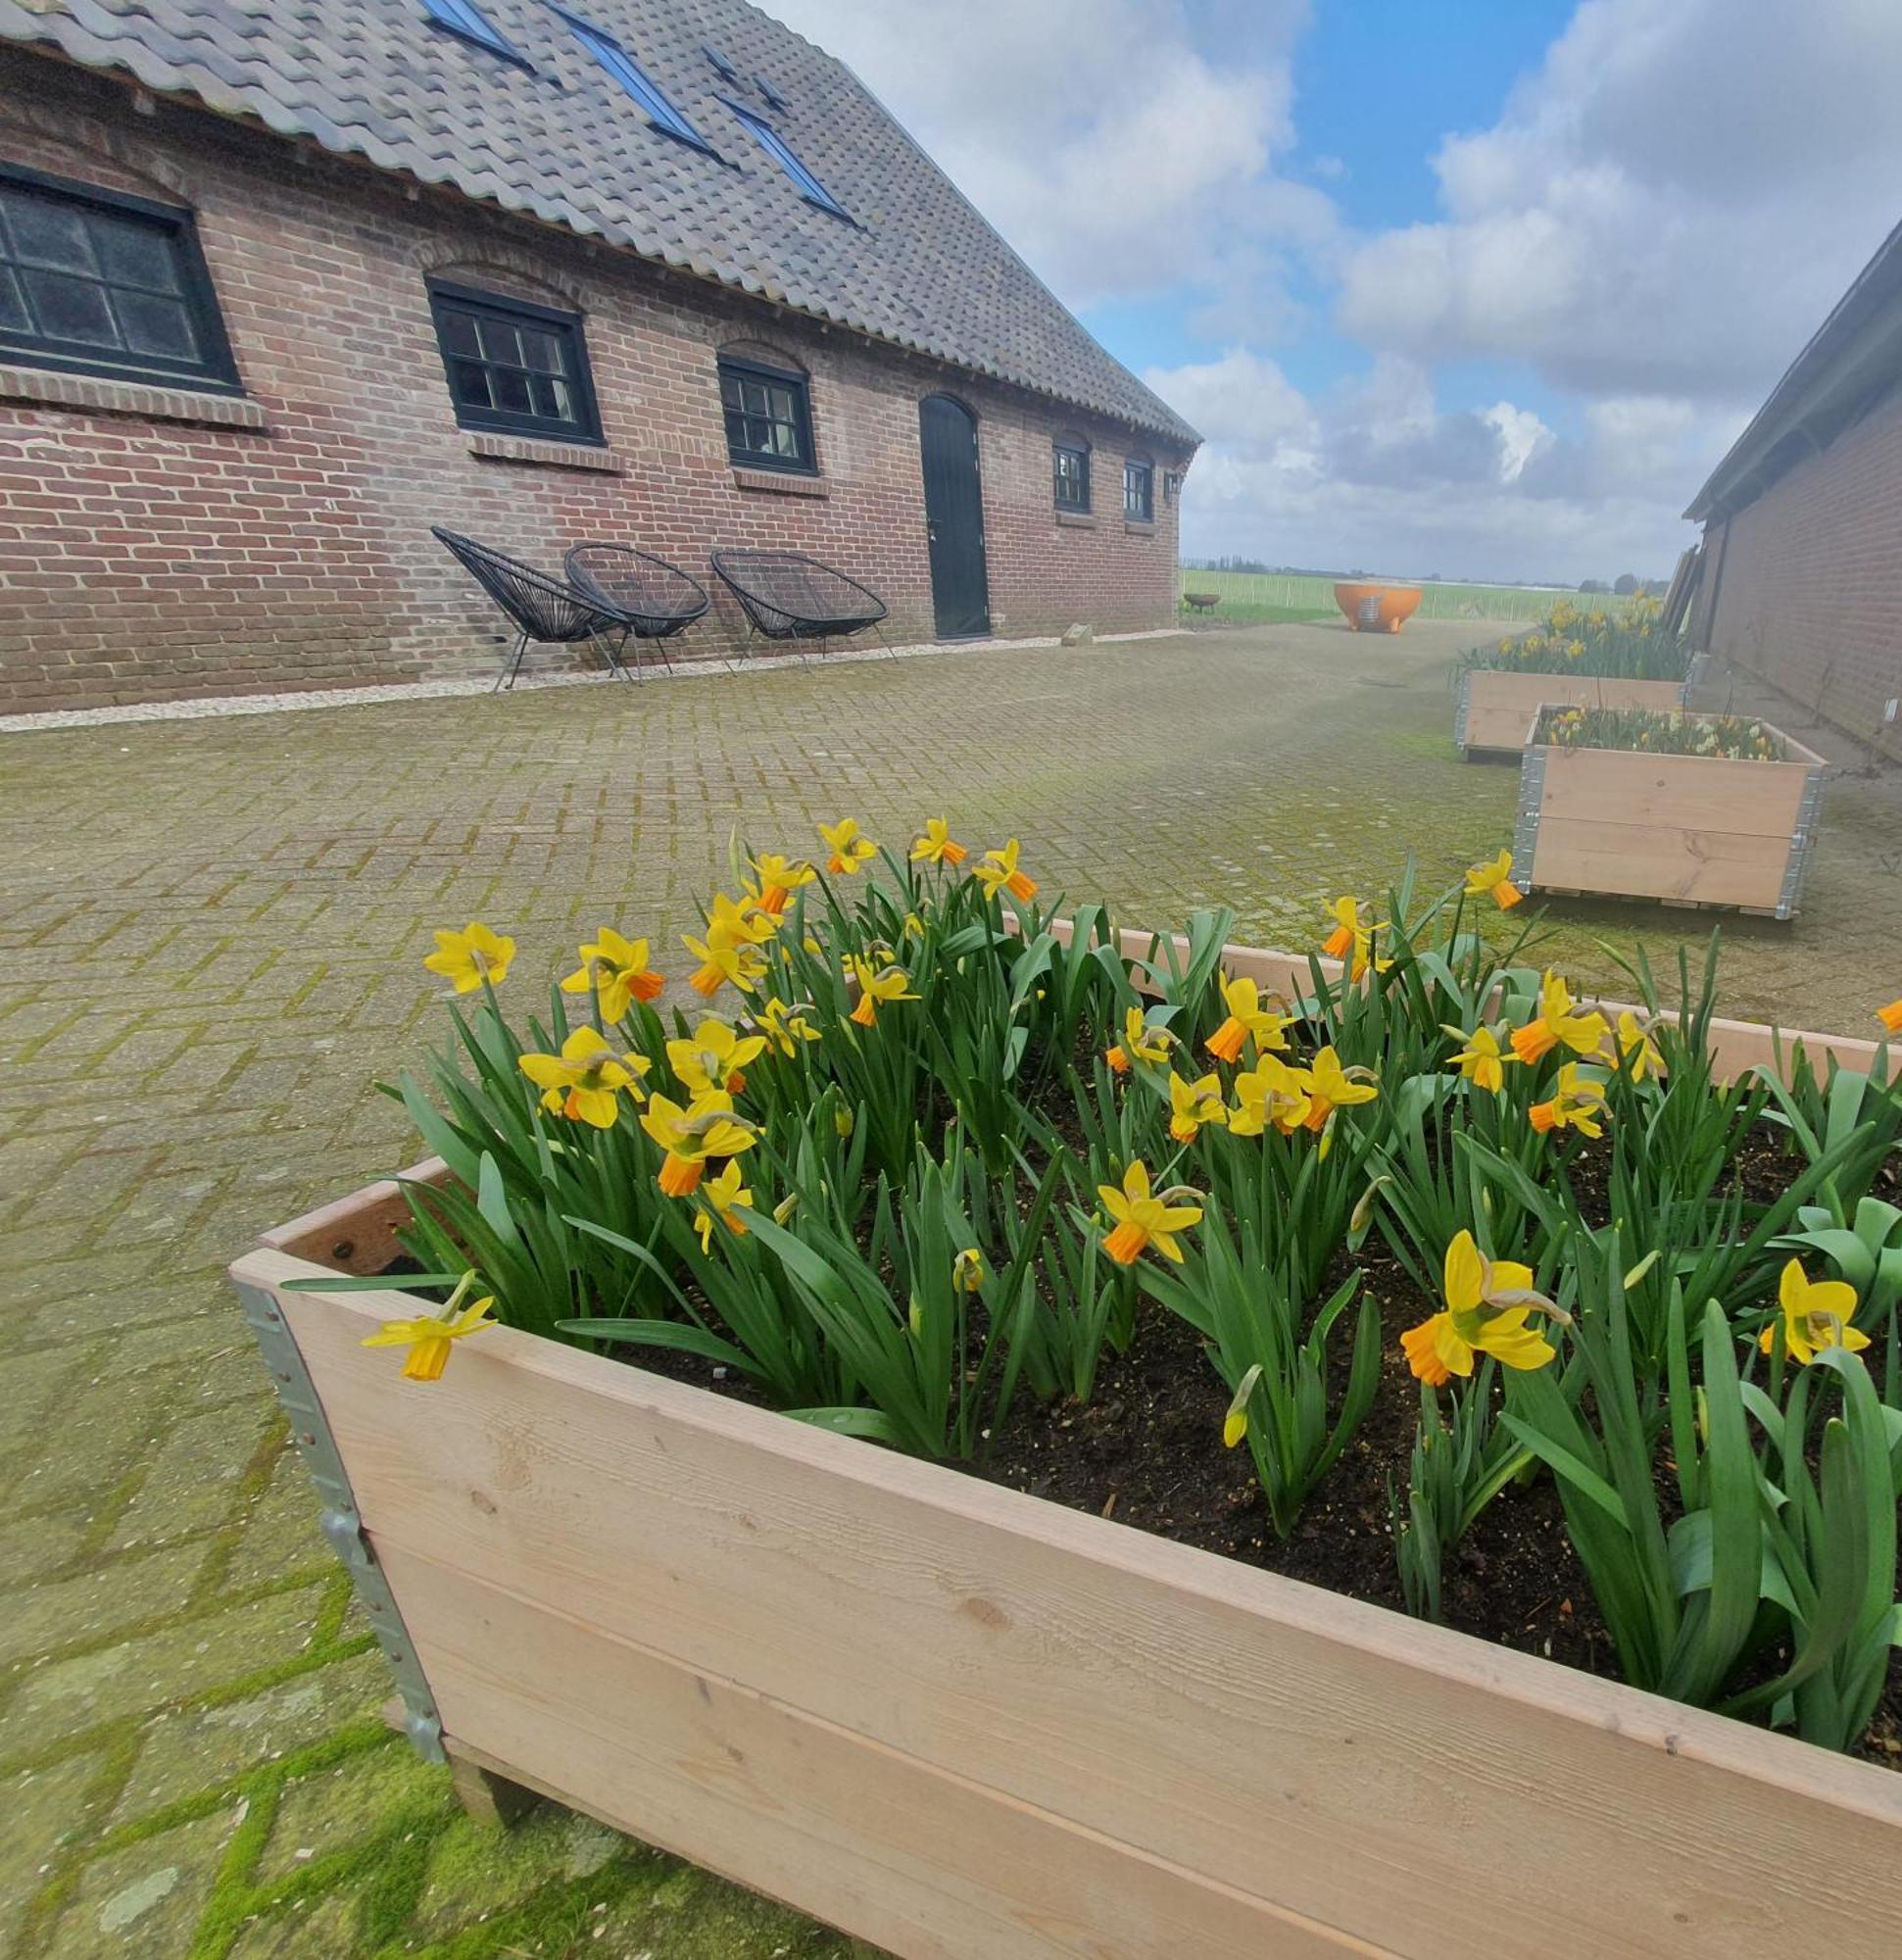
[[1801, 574], [281, 287]]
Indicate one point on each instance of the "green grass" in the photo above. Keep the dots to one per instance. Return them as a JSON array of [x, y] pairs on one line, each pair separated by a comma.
[[1273, 597], [1251, 612]]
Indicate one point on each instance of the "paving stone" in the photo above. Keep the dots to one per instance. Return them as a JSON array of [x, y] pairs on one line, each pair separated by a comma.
[[365, 1797], [44, 1812], [323, 1929], [42, 1618], [476, 1872], [193, 1481], [146, 1899], [280, 1530], [30, 1548]]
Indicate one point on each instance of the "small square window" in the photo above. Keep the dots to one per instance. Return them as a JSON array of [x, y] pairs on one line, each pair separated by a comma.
[[1071, 469], [99, 284], [1138, 491], [768, 413], [513, 367]]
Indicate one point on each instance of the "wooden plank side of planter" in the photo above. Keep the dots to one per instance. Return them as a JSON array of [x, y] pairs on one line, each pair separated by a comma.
[[824, 1819], [1499, 705], [1415, 1789], [1704, 793]]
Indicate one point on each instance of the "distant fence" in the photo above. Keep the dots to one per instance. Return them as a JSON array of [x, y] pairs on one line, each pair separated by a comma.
[[1294, 592]]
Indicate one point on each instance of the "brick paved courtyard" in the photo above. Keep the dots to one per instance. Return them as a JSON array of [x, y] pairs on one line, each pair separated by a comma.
[[210, 944]]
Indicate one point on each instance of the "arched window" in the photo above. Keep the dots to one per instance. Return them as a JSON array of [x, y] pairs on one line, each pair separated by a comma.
[[768, 409]]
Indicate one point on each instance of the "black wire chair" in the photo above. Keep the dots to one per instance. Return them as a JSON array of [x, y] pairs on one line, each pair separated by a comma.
[[542, 609], [788, 596], [654, 599]]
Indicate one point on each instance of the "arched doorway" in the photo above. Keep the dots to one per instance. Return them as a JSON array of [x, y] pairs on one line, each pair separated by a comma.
[[960, 592]]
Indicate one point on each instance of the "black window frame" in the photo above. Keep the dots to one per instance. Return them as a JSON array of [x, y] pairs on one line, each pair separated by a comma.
[[1079, 504], [584, 430], [742, 367], [1137, 469], [215, 369]]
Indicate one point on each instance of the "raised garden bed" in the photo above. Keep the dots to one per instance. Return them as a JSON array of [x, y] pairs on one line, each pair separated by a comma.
[[1689, 829], [959, 1720], [1494, 709]]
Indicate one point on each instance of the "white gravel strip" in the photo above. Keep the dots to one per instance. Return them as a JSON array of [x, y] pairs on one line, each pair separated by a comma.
[[214, 706]]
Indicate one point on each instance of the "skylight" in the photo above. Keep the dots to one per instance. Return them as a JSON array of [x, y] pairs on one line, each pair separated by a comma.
[[723, 68], [471, 24], [769, 95], [626, 71], [776, 147]]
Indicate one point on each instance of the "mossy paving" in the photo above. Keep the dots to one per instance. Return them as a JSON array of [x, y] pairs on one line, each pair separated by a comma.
[[210, 940]]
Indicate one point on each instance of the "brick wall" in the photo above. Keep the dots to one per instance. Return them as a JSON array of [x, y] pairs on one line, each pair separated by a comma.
[[155, 546], [1808, 580]]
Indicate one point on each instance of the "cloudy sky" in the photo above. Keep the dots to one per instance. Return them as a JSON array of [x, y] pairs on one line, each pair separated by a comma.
[[1482, 287]]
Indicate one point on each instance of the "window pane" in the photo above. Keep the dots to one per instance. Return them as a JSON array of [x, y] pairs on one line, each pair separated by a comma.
[[550, 397], [736, 430], [459, 333], [70, 309], [760, 437], [471, 384], [782, 403], [730, 392], [786, 441], [49, 234], [13, 308], [510, 388], [500, 342], [756, 399], [154, 325], [136, 255], [541, 351]]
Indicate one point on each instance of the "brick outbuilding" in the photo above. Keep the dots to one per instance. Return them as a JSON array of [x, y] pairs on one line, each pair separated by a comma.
[[282, 287]]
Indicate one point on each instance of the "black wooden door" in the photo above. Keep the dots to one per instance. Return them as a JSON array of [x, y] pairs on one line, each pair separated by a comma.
[[954, 517]]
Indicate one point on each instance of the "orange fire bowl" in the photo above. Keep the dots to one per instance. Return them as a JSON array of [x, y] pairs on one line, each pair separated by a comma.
[[1377, 608]]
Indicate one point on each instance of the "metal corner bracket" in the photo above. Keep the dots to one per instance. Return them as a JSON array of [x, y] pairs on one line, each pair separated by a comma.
[[1525, 834], [1802, 840], [1462, 708], [341, 1522]]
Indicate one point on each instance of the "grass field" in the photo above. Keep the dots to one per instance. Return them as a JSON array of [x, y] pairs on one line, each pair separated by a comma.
[[1273, 597]]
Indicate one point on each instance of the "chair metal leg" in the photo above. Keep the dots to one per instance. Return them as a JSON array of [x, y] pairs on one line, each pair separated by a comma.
[[891, 651], [615, 664], [512, 665]]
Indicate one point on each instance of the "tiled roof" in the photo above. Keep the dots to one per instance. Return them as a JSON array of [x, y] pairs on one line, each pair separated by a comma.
[[560, 139]]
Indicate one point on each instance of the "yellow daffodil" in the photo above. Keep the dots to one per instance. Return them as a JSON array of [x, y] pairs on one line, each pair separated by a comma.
[[1495, 876], [967, 1270], [1271, 1092], [1235, 1425], [718, 1200], [779, 878], [1349, 934], [1140, 1042], [470, 957], [427, 1337], [1247, 1020], [937, 846], [1574, 1105], [1482, 1061], [1635, 1045], [1891, 1017], [615, 969], [714, 1058], [1333, 1086], [998, 872], [1487, 1304], [584, 1082], [707, 1128], [1142, 1220], [878, 986], [850, 852], [1816, 1315], [1556, 1024], [724, 958], [784, 1027], [1194, 1105]]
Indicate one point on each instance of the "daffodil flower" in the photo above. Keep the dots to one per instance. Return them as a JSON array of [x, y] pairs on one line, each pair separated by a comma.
[[779, 878], [878, 986], [1235, 1425], [1332, 1087], [1495, 876], [1142, 1220], [1556, 1024], [616, 970], [1637, 1047], [937, 846], [1194, 1105], [998, 872], [470, 957], [850, 852], [1349, 934], [724, 957], [1815, 1314], [1891, 1017], [967, 1270], [707, 1128], [713, 1058], [427, 1337], [585, 1081], [1140, 1042], [718, 1200], [1271, 1092], [1574, 1105], [1247, 1020], [1482, 1061], [784, 1027], [1487, 1304]]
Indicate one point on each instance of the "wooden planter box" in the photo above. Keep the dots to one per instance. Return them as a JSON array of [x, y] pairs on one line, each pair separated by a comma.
[[1495, 707], [957, 1721], [1699, 830]]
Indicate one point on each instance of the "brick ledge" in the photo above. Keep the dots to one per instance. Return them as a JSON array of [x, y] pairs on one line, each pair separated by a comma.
[[780, 482], [499, 448], [1142, 527], [96, 392], [1082, 521]]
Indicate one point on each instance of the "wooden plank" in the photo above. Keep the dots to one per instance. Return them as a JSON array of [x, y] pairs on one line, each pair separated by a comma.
[[855, 1833], [356, 1235], [1693, 793], [1660, 861], [1358, 1769], [1499, 706]]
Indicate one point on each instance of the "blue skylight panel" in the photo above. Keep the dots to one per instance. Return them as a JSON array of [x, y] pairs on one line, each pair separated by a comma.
[[776, 147], [460, 17], [626, 71]]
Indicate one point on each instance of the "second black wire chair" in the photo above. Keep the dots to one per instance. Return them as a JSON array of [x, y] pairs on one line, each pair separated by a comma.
[[788, 596], [654, 599]]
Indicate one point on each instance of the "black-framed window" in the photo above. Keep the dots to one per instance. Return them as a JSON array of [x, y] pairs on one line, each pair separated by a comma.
[[1070, 472], [1138, 490], [768, 416], [514, 366], [97, 283]]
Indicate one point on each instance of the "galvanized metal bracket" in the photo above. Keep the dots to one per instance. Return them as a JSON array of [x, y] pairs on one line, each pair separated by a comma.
[[1462, 707], [341, 1522], [1802, 839], [1525, 833]]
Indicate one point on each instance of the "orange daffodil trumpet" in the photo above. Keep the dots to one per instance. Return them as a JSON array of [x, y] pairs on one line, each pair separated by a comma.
[[707, 1128], [1140, 1042], [1576, 1103], [1142, 1220], [585, 1081], [1348, 936], [730, 951], [1332, 1087], [1488, 1302], [1194, 1104], [997, 871], [615, 969], [779, 878], [850, 852], [429, 1335], [1557, 1024], [1815, 1314], [937, 846], [1495, 876], [1482, 1061], [1247, 1020], [470, 957], [1271, 1092], [1891, 1017], [713, 1058], [878, 987]]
